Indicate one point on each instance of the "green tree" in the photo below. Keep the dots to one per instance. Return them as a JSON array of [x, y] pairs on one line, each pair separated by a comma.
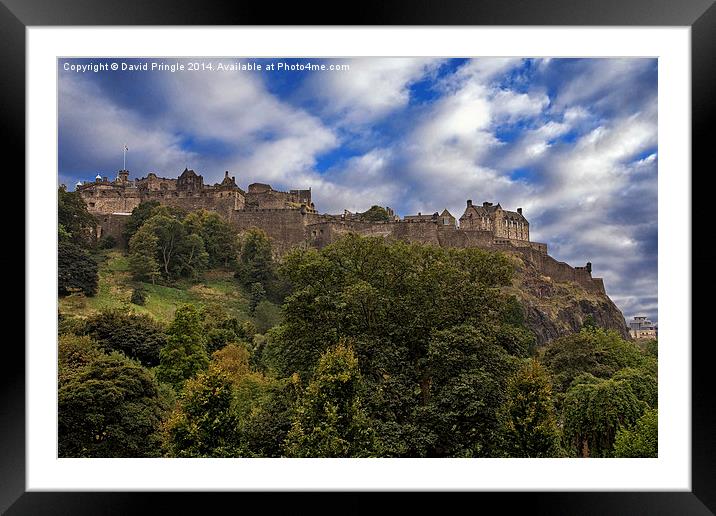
[[137, 336], [170, 235], [143, 248], [185, 352], [530, 422], [596, 351], [140, 214], [393, 301], [640, 441], [204, 423], [594, 410], [463, 385], [108, 405], [643, 383], [329, 420], [376, 214], [76, 270], [257, 294], [74, 221], [218, 236], [255, 262], [193, 257]]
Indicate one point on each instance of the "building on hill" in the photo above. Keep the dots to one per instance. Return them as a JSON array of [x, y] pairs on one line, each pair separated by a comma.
[[502, 223], [642, 328], [291, 218], [443, 219]]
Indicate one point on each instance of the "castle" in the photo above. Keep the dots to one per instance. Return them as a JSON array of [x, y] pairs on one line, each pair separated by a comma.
[[291, 219]]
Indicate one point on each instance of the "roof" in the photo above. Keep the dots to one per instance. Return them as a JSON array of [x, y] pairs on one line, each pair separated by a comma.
[[421, 216]]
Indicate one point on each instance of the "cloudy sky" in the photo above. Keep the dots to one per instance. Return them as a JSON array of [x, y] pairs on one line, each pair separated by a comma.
[[571, 141]]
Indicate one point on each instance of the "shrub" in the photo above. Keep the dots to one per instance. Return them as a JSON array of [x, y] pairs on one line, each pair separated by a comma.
[[139, 296]]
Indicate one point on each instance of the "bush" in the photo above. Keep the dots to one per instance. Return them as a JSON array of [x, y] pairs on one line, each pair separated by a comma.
[[107, 242], [139, 296], [137, 336]]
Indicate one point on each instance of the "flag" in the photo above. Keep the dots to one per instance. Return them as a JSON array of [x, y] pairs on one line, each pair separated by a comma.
[[125, 147]]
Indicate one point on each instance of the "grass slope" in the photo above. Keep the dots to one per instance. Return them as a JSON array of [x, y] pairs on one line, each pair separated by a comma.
[[116, 285]]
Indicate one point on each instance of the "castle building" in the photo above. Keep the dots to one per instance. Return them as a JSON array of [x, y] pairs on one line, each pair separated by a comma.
[[291, 219], [502, 223]]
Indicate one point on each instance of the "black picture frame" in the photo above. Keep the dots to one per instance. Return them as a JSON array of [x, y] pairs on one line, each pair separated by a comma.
[[700, 15]]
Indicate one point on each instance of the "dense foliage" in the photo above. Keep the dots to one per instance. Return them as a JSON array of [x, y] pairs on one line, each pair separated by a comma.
[[75, 223], [76, 270], [136, 336], [76, 267], [378, 349], [109, 405], [376, 214]]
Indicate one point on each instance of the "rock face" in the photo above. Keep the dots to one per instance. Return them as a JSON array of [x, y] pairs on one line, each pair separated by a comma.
[[556, 308]]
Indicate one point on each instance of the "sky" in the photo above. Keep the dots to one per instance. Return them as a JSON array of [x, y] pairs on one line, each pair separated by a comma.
[[573, 142]]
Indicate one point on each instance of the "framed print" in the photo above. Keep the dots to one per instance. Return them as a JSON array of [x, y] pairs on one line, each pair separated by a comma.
[[352, 258]]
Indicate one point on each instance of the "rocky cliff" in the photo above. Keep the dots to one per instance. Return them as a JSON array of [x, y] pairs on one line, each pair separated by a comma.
[[556, 308]]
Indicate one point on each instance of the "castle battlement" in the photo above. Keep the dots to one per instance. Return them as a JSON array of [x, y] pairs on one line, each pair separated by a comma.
[[291, 219]]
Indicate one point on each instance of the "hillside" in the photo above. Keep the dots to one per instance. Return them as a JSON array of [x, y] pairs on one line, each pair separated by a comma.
[[554, 309], [218, 287]]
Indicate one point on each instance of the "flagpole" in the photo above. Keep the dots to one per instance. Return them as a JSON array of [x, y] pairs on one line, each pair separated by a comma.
[[124, 152]]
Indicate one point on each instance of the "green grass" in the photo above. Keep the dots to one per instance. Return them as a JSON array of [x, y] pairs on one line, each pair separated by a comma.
[[116, 285]]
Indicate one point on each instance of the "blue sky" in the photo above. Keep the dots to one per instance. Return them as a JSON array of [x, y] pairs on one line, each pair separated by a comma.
[[571, 141]]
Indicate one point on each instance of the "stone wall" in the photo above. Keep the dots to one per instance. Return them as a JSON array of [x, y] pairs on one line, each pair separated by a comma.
[[112, 224], [287, 228]]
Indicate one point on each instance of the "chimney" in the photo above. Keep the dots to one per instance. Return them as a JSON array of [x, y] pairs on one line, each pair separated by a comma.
[[226, 174], [486, 204], [589, 267], [519, 210], [469, 203], [419, 214]]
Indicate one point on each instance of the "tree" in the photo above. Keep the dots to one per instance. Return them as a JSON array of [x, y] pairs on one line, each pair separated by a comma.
[[204, 423], [255, 263], [193, 257], [594, 350], [376, 214], [108, 405], [74, 221], [257, 295], [266, 425], [74, 352], [185, 353], [140, 214], [640, 441], [330, 421], [137, 336], [142, 255], [594, 410], [76, 270], [217, 234], [530, 423], [643, 383], [463, 385], [170, 235], [404, 307]]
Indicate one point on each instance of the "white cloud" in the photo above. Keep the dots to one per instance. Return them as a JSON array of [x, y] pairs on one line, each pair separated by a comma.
[[370, 90]]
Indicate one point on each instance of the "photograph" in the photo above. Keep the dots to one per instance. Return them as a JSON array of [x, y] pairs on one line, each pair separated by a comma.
[[357, 257]]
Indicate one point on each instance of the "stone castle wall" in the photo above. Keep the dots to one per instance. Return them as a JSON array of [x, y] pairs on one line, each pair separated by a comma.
[[290, 219]]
